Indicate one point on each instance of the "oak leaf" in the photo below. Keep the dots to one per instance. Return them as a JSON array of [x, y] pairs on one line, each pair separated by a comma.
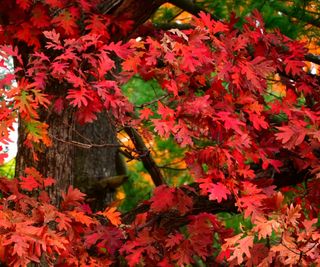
[[112, 215], [218, 191]]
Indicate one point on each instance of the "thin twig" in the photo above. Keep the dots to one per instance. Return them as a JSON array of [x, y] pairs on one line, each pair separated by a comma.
[[173, 169], [85, 145], [172, 163], [151, 102]]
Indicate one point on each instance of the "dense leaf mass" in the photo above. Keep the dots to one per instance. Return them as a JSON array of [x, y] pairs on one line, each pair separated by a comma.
[[219, 104]]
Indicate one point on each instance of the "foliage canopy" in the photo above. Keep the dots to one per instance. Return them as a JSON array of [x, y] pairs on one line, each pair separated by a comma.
[[241, 139]]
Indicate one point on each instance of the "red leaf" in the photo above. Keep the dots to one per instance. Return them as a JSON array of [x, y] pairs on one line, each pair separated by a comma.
[[183, 202], [96, 24], [67, 21], [218, 191], [55, 3], [134, 258], [171, 86], [24, 4], [166, 198], [72, 198], [58, 106], [122, 50], [145, 113], [245, 244], [163, 128], [131, 64], [29, 183], [173, 240], [40, 17], [292, 135], [55, 38], [294, 67], [258, 121], [48, 182], [28, 34], [20, 245], [79, 97], [163, 198], [182, 134], [183, 255], [2, 156]]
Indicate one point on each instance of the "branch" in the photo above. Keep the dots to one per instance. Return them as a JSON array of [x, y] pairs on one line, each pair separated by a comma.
[[137, 12], [107, 6], [186, 5], [144, 155], [312, 58], [200, 204], [185, 26], [295, 14], [172, 168], [203, 204], [190, 6], [152, 102]]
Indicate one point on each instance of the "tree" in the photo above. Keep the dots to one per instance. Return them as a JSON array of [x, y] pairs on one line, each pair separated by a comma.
[[91, 162], [242, 139]]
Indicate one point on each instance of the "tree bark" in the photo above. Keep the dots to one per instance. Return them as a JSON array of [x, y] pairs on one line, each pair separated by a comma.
[[56, 161], [97, 163]]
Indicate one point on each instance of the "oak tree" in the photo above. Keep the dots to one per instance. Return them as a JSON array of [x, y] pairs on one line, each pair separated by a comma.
[[250, 150]]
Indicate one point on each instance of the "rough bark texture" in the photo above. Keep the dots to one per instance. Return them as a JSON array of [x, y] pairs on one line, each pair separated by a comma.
[[56, 161], [72, 165], [96, 163]]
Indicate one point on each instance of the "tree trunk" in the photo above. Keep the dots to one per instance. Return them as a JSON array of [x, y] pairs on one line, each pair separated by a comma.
[[56, 161], [97, 163], [68, 163]]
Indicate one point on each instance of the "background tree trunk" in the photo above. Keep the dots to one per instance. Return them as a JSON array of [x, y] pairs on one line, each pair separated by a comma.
[[96, 163]]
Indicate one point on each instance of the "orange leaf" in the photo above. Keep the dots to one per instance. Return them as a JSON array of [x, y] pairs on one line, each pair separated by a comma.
[[80, 217], [112, 215]]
